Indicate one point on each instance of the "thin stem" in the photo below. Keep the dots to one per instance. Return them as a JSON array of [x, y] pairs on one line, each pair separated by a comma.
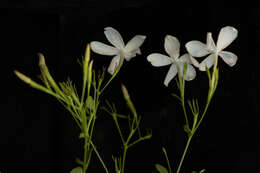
[[203, 115], [184, 153], [85, 154], [99, 157], [124, 157], [112, 77], [182, 92], [119, 130], [214, 69], [184, 109]]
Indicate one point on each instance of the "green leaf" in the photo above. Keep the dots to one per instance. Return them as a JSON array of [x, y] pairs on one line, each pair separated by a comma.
[[77, 170], [161, 168]]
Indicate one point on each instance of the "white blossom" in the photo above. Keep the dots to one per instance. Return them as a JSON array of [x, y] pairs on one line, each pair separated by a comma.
[[172, 47], [119, 49], [198, 49]]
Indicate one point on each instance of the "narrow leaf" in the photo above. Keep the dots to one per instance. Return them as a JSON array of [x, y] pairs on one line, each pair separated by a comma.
[[161, 168]]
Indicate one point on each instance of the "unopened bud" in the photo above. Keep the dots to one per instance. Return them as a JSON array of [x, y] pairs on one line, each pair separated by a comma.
[[41, 59], [87, 54], [23, 77], [125, 92]]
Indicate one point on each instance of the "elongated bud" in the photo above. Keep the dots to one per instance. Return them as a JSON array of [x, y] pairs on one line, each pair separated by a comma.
[[87, 54], [46, 74], [41, 59], [23, 77], [125, 92], [31, 82], [90, 71]]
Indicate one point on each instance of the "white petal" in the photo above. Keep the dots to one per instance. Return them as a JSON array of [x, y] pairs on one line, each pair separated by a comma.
[[129, 56], [114, 64], [185, 58], [133, 45], [197, 48], [226, 36], [103, 49], [172, 46], [210, 43], [138, 51], [171, 74], [114, 37], [157, 59], [228, 57], [194, 62], [190, 73], [207, 62]]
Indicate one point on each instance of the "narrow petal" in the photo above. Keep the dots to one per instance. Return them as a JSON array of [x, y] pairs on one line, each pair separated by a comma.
[[197, 48], [138, 51], [190, 73], [228, 57], [172, 46], [113, 65], [194, 62], [226, 36], [157, 59], [133, 45], [114, 37], [102, 48], [210, 42], [207, 62], [129, 56], [185, 58], [170, 75]]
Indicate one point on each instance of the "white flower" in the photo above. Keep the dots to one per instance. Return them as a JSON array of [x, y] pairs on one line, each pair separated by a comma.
[[172, 47], [198, 49], [120, 50]]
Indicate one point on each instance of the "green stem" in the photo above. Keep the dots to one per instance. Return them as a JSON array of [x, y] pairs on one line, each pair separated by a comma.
[[85, 154], [184, 109], [112, 77], [184, 152], [99, 157], [214, 69], [119, 130], [124, 157]]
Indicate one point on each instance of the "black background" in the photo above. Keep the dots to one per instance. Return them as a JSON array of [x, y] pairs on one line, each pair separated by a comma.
[[38, 135]]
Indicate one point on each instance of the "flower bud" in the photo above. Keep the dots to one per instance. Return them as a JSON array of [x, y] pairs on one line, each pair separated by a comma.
[[125, 92], [23, 77]]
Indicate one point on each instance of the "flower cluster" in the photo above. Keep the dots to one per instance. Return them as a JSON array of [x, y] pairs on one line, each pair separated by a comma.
[[195, 49]]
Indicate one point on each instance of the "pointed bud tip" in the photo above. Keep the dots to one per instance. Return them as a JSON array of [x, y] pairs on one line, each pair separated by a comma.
[[41, 59], [22, 77], [125, 92]]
